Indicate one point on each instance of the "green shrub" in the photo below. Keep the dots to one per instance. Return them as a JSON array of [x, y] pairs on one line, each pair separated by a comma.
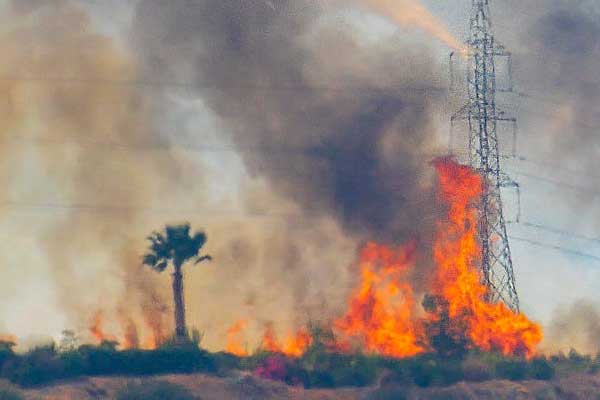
[[595, 365], [351, 370], [252, 362], [427, 371], [319, 368], [578, 359], [36, 367], [512, 369], [6, 352], [45, 364], [574, 363], [476, 370], [74, 364], [9, 392], [225, 362], [102, 361], [191, 341], [154, 390], [541, 369]]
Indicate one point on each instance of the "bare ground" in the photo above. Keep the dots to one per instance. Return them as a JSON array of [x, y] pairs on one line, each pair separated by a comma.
[[245, 387]]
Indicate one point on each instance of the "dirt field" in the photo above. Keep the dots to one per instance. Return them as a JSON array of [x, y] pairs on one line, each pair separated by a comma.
[[245, 387]]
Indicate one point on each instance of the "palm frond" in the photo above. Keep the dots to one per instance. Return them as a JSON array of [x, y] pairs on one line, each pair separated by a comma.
[[174, 244], [177, 233], [199, 239], [161, 266], [149, 260], [203, 258], [159, 245]]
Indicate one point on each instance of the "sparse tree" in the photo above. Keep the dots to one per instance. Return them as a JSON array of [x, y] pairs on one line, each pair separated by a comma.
[[69, 341], [176, 246]]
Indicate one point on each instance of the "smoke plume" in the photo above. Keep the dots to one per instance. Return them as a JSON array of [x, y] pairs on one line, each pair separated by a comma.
[[341, 133], [332, 134], [66, 124], [574, 327], [336, 127], [557, 55]]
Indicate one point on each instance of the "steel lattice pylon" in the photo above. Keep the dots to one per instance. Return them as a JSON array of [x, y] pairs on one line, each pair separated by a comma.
[[482, 116]]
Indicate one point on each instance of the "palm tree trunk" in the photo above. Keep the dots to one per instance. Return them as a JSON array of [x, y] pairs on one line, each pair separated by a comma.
[[180, 329]]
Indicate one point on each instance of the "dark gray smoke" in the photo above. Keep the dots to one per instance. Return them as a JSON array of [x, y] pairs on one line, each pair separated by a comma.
[[337, 124], [557, 54], [557, 58]]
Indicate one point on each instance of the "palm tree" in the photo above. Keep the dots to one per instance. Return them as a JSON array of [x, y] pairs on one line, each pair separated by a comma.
[[175, 246]]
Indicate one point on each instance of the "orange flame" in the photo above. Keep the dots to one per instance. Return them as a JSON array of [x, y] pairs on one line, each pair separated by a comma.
[[294, 345], [380, 311], [154, 314], [129, 329], [457, 254], [233, 335], [130, 333], [8, 339], [382, 315], [97, 327], [154, 323], [269, 342]]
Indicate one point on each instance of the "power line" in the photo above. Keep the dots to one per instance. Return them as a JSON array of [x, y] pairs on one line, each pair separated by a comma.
[[113, 209], [579, 122], [546, 99], [209, 148], [559, 232], [304, 151], [555, 247], [110, 209], [556, 166], [212, 85], [315, 151], [559, 183]]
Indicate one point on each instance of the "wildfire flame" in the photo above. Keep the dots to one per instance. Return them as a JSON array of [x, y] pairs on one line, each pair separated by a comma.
[[153, 335], [234, 345], [294, 345], [381, 310], [382, 315], [155, 325], [131, 338], [8, 339], [96, 327], [457, 254]]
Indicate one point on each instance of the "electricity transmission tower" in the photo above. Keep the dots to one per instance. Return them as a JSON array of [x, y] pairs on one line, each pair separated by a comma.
[[483, 117]]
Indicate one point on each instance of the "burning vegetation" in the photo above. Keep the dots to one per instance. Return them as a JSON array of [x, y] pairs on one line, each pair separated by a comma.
[[133, 335], [457, 281], [439, 333], [382, 309], [389, 320], [387, 314], [382, 315]]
